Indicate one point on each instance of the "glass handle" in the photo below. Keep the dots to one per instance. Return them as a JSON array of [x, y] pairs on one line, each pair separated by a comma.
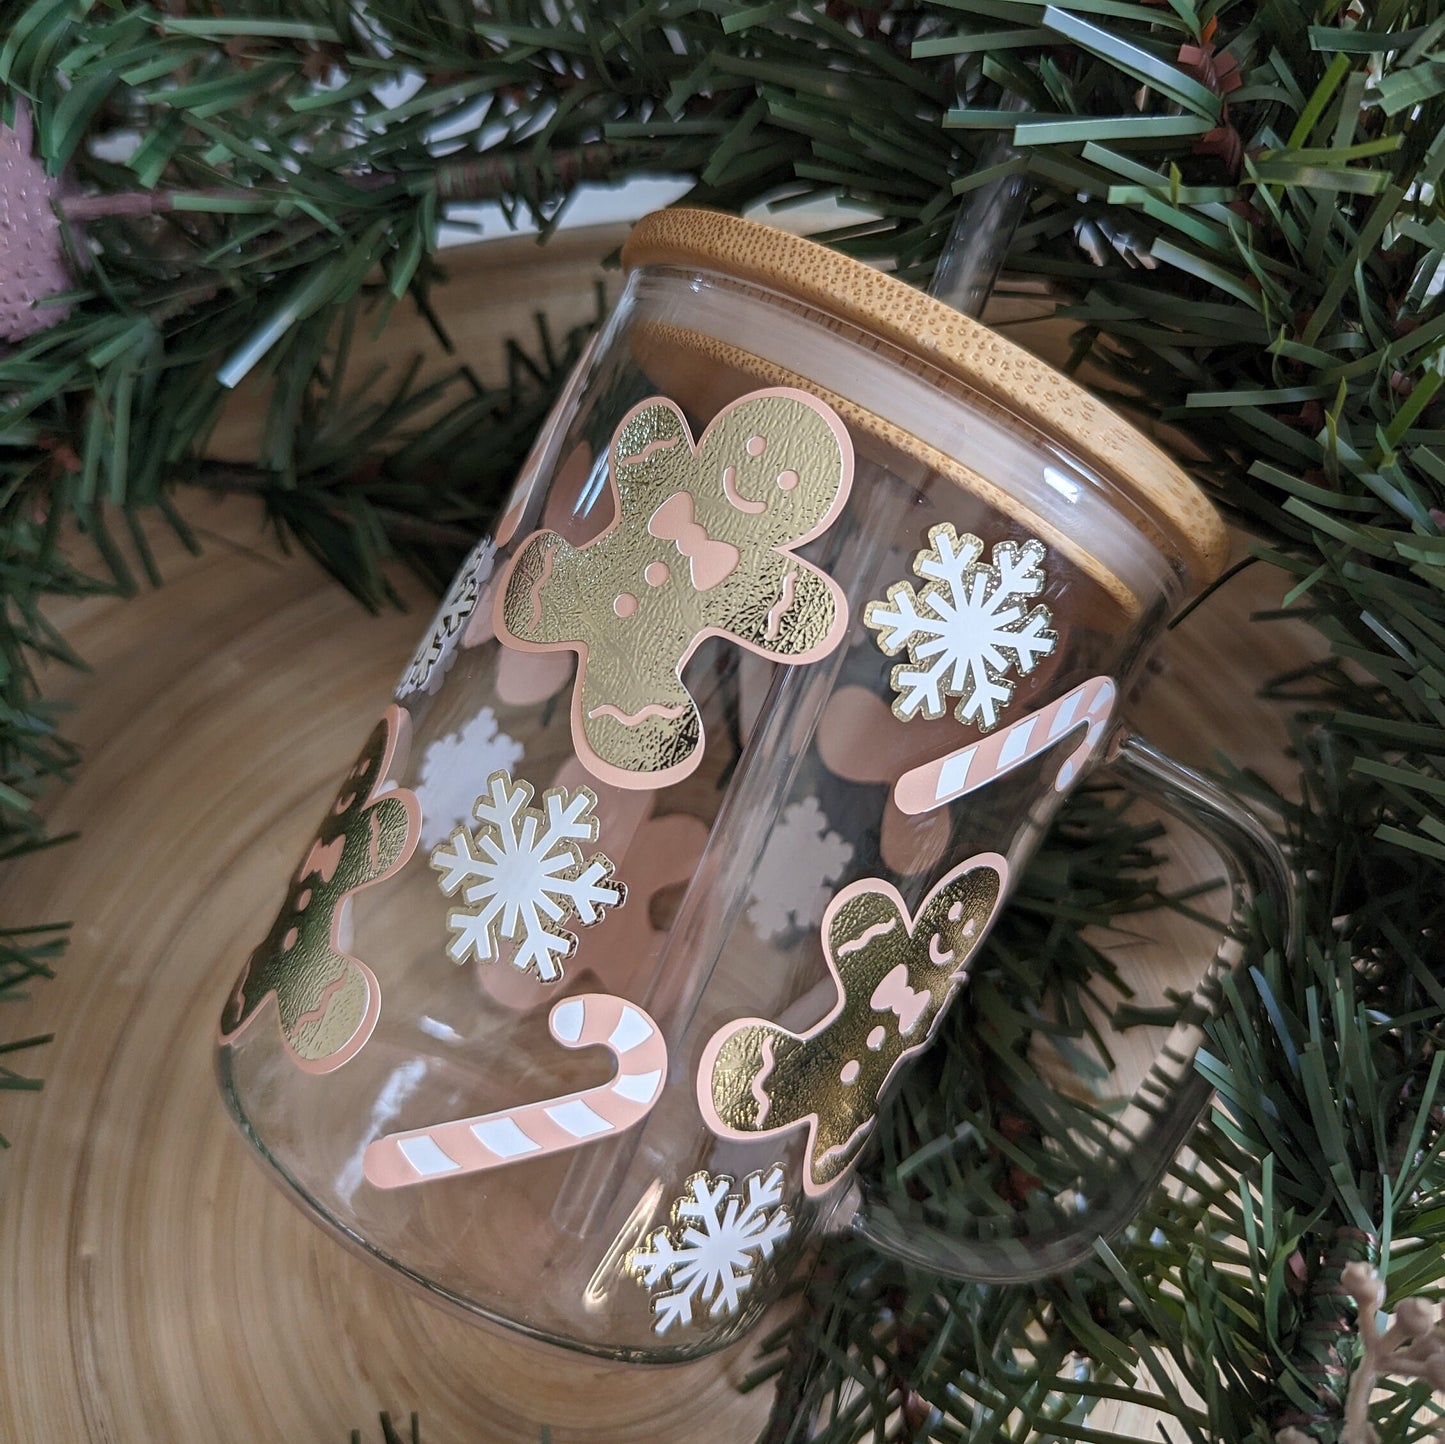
[[1174, 1094]]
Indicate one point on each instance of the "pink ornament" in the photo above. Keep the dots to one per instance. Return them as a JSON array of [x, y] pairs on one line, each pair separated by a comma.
[[32, 253]]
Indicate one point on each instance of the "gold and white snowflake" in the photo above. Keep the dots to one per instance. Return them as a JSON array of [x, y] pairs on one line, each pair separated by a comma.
[[713, 1251], [966, 629], [522, 876]]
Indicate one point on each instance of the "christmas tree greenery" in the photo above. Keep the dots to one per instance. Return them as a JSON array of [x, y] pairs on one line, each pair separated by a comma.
[[1238, 200]]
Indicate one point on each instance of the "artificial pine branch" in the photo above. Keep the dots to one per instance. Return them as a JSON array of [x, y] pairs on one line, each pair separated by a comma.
[[1239, 202]]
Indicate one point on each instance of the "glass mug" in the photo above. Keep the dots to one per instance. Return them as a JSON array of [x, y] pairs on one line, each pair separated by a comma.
[[812, 602]]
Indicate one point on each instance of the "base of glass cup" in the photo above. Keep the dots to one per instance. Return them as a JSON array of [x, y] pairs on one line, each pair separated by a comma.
[[471, 1310]]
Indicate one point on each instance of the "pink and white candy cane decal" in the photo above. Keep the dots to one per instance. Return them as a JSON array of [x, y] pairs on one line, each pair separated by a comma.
[[493, 1140], [1089, 705]]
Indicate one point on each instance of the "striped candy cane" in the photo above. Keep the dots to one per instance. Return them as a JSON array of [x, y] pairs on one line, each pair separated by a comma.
[[492, 1140], [946, 779]]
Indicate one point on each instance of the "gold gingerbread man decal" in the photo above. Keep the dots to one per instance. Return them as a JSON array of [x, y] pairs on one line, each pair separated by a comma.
[[327, 1002], [895, 976], [702, 543]]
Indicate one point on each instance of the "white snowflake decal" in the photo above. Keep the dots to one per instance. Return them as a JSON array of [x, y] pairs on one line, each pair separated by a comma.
[[523, 876], [717, 1240], [966, 629], [456, 768], [790, 883], [432, 659]]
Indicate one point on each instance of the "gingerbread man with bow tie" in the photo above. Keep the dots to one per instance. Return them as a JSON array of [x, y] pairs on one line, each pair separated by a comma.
[[893, 976], [702, 543]]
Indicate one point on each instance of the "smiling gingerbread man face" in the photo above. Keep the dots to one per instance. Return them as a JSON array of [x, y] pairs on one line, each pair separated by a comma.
[[895, 975], [702, 544]]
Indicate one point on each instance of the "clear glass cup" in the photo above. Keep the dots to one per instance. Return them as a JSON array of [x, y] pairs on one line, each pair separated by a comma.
[[810, 606]]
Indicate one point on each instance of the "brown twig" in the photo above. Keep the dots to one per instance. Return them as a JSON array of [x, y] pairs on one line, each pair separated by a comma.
[[1411, 1347], [481, 179]]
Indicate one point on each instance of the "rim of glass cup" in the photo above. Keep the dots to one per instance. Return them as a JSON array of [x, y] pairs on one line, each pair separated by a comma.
[[1001, 374], [1041, 485]]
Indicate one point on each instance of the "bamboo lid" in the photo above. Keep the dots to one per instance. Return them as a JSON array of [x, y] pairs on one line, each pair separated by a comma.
[[698, 368], [1000, 372]]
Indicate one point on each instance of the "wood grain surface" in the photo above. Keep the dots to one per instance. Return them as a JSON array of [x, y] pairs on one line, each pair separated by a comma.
[[157, 1286]]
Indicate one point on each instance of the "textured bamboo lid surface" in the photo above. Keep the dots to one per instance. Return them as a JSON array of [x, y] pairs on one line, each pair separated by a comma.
[[1003, 374]]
